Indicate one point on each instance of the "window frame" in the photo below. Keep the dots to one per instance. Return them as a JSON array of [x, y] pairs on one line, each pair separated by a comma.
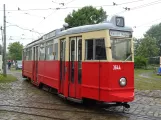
[[94, 47], [131, 48], [40, 51], [48, 45], [24, 55], [55, 49], [30, 53], [27, 54]]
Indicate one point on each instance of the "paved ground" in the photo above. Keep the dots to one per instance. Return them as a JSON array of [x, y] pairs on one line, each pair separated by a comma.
[[21, 100]]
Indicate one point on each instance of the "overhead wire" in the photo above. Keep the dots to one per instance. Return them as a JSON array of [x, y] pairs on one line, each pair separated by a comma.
[[34, 15], [130, 2], [146, 5], [58, 9], [53, 12], [142, 25], [140, 6], [114, 4], [23, 28], [55, 2], [26, 13], [38, 9]]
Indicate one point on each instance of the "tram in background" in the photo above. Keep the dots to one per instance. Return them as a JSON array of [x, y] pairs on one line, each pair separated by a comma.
[[91, 62]]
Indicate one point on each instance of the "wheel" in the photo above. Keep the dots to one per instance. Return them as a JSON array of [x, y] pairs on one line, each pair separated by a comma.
[[40, 86]]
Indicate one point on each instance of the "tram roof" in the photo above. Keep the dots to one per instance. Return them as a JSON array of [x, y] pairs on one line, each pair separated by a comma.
[[81, 29], [95, 27]]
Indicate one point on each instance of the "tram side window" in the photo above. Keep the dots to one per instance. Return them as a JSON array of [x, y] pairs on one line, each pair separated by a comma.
[[100, 50], [95, 49], [89, 49], [49, 52], [56, 51], [42, 52], [23, 56], [30, 54], [27, 54]]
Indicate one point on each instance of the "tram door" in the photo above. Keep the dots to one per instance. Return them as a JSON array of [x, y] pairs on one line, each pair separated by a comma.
[[35, 58], [62, 65], [75, 60]]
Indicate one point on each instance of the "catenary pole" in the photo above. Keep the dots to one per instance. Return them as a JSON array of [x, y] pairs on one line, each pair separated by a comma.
[[4, 44]]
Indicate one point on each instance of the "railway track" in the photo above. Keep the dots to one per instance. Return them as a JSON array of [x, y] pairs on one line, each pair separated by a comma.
[[43, 116], [63, 108], [90, 110], [76, 108]]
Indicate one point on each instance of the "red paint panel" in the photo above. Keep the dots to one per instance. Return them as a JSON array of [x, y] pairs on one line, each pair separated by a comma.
[[23, 68], [48, 73], [127, 71], [110, 89], [101, 82], [78, 85], [72, 89], [75, 86], [90, 80], [41, 72], [28, 69], [62, 77], [78, 91], [72, 84], [66, 81]]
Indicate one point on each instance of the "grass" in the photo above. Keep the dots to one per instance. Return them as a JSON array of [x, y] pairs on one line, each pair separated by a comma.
[[149, 81], [8, 78]]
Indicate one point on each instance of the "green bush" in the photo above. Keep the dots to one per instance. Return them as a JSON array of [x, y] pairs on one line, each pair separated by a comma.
[[140, 62], [1, 76]]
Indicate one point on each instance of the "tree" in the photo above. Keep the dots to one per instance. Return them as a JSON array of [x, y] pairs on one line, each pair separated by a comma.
[[85, 16], [154, 32], [137, 43], [8, 56], [140, 62], [15, 50], [147, 47]]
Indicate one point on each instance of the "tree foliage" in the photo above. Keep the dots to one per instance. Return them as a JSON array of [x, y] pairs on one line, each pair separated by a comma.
[[15, 50], [155, 32], [137, 43], [147, 47], [85, 16], [140, 62]]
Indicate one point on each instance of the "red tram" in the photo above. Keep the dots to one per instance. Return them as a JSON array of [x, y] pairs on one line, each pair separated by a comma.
[[91, 62]]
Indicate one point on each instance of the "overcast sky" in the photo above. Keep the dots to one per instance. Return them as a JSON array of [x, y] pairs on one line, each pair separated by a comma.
[[143, 14]]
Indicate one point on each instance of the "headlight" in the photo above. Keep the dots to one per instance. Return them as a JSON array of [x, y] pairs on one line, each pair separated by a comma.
[[123, 82]]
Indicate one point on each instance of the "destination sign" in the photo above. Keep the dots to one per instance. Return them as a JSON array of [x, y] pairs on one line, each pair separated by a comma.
[[120, 34], [120, 21]]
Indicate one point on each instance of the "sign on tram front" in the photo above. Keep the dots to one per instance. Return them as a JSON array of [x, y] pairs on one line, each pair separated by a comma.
[[120, 34]]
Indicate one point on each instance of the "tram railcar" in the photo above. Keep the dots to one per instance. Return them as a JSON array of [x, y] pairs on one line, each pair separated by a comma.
[[91, 62]]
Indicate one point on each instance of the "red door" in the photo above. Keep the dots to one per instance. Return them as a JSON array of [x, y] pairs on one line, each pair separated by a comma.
[[75, 67], [35, 62], [62, 65]]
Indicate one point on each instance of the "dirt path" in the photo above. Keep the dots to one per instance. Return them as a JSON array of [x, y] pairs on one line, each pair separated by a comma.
[[149, 75]]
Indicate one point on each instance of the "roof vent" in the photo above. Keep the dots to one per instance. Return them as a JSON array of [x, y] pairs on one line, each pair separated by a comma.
[[65, 25]]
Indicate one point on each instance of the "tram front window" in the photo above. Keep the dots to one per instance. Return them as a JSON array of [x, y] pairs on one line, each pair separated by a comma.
[[95, 49], [121, 49]]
